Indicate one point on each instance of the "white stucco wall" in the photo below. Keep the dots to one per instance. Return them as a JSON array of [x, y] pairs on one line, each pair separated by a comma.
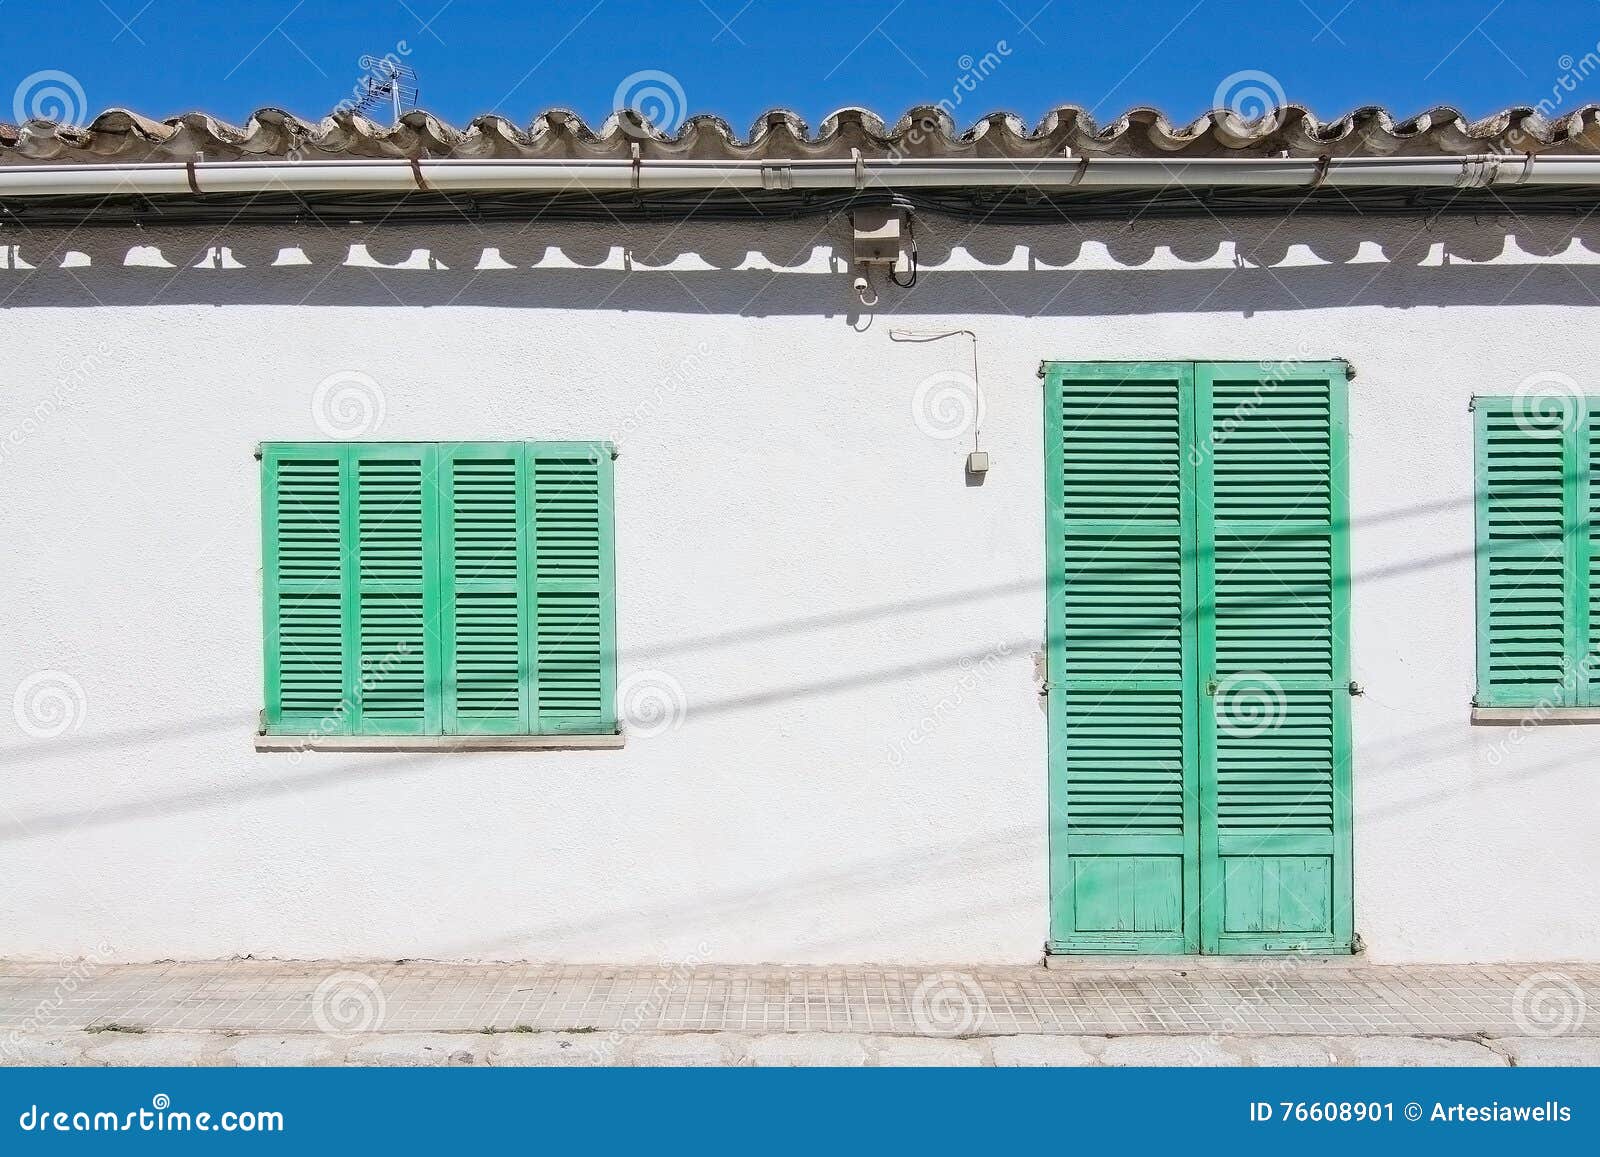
[[794, 553]]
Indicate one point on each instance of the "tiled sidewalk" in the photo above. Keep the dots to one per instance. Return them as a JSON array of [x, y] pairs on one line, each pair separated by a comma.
[[1248, 997]]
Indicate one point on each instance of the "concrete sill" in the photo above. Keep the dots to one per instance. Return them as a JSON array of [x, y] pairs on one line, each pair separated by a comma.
[[437, 743], [1533, 716]]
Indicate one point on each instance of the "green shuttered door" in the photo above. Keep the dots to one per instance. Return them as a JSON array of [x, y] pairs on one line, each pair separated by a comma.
[[1124, 815], [1272, 525], [1198, 664], [420, 589]]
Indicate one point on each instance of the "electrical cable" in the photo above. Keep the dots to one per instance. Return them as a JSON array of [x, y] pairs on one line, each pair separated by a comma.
[[911, 232], [995, 206]]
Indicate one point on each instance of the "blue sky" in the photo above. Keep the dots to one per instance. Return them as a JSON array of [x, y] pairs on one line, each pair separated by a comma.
[[738, 58]]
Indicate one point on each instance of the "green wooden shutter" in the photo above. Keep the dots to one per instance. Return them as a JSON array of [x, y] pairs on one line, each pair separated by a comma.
[[392, 588], [1273, 575], [413, 589], [302, 501], [1123, 806], [574, 638], [1588, 540], [486, 589], [1534, 514]]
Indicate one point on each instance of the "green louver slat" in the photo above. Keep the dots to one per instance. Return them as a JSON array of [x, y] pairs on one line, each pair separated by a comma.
[[1123, 873], [487, 672], [303, 572], [1273, 615], [573, 644], [1530, 628]]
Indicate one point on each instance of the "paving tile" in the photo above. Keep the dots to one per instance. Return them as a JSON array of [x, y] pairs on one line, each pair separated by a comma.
[[1261, 998]]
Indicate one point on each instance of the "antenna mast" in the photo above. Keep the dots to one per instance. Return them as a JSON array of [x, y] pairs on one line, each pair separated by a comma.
[[387, 81]]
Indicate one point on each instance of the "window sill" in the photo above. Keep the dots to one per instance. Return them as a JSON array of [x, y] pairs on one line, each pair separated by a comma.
[[437, 742], [1532, 716]]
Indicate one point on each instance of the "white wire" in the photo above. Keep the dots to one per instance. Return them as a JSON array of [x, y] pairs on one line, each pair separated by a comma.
[[935, 335]]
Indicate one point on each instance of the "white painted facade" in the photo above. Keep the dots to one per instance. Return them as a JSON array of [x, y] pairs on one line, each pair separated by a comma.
[[855, 770]]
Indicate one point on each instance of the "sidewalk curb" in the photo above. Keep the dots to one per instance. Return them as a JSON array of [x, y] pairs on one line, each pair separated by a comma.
[[850, 1050]]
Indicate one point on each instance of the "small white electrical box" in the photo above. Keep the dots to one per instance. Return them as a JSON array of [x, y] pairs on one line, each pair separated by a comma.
[[877, 235], [978, 462]]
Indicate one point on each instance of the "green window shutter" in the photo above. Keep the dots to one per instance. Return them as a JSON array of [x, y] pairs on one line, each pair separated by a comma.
[[418, 589], [1533, 515], [486, 589], [1121, 597], [1273, 572], [571, 545], [303, 499], [392, 591]]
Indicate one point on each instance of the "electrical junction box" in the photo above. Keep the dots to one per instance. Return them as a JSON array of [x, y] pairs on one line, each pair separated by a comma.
[[878, 235]]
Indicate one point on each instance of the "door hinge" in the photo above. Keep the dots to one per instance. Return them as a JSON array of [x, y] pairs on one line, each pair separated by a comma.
[[1356, 688], [261, 721]]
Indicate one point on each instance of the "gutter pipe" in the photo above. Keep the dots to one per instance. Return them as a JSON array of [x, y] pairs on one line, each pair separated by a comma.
[[862, 174]]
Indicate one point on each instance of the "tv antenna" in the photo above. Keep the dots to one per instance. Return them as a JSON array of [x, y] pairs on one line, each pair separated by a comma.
[[387, 82]]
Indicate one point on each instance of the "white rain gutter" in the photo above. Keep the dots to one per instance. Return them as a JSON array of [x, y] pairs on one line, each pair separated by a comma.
[[466, 176]]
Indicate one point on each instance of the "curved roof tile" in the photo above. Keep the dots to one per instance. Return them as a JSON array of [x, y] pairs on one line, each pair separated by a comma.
[[120, 135]]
